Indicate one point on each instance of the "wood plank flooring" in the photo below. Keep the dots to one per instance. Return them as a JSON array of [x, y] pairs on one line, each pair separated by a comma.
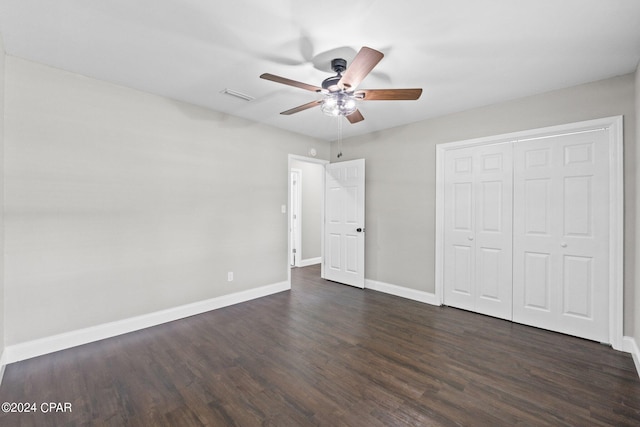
[[329, 354]]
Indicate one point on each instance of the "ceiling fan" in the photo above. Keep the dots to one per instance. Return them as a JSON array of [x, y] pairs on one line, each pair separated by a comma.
[[339, 94]]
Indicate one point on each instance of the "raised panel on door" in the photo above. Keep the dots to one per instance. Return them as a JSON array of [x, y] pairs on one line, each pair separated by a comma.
[[352, 243], [334, 205], [536, 280], [334, 260], [536, 210], [561, 216], [578, 286], [491, 206], [462, 271], [488, 274], [462, 206], [578, 206]]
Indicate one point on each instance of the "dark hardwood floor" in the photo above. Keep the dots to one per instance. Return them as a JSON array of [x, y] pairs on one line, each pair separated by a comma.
[[328, 354]]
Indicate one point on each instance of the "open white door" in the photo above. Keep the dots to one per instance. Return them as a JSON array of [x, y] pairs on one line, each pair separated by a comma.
[[344, 223]]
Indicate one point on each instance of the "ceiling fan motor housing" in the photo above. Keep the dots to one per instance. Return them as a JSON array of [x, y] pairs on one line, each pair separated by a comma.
[[338, 65]]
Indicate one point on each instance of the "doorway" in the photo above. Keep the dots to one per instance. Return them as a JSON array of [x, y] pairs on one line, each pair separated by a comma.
[[305, 211]]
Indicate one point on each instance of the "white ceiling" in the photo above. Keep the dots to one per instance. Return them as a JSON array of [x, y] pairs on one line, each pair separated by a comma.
[[463, 53]]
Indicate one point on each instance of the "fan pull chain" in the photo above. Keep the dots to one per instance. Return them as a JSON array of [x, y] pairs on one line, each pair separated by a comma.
[[339, 137]]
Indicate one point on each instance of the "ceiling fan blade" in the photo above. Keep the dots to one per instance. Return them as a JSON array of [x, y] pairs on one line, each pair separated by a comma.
[[360, 67], [290, 82], [389, 94], [355, 117], [301, 108]]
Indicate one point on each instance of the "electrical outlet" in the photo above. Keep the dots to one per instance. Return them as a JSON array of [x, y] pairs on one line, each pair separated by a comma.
[[230, 276]]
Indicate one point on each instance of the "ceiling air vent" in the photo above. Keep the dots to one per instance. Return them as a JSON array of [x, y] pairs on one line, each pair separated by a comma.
[[237, 94]]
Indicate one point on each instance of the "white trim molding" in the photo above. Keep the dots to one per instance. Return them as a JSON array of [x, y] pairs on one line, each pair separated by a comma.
[[27, 350], [3, 364], [310, 261], [616, 211], [631, 346], [295, 237], [401, 291]]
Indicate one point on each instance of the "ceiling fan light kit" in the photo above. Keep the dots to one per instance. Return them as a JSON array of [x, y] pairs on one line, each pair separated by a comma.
[[339, 104], [339, 96]]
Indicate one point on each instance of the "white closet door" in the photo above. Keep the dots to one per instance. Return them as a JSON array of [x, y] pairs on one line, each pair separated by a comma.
[[478, 220], [561, 228]]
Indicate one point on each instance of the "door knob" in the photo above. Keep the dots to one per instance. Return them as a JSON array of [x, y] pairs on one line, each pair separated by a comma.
[[359, 230], [470, 237], [563, 244]]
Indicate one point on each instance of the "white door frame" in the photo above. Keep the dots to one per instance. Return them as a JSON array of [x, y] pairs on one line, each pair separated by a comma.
[[616, 209], [292, 157], [295, 210]]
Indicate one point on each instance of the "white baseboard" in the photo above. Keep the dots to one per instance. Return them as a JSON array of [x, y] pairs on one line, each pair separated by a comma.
[[3, 364], [401, 291], [631, 346], [27, 350], [310, 261]]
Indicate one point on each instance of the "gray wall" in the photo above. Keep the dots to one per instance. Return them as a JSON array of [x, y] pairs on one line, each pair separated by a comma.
[[119, 203], [400, 179], [2, 308], [311, 209]]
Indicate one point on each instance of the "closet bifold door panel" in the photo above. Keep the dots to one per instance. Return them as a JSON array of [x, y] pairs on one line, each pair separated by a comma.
[[478, 229], [561, 234]]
